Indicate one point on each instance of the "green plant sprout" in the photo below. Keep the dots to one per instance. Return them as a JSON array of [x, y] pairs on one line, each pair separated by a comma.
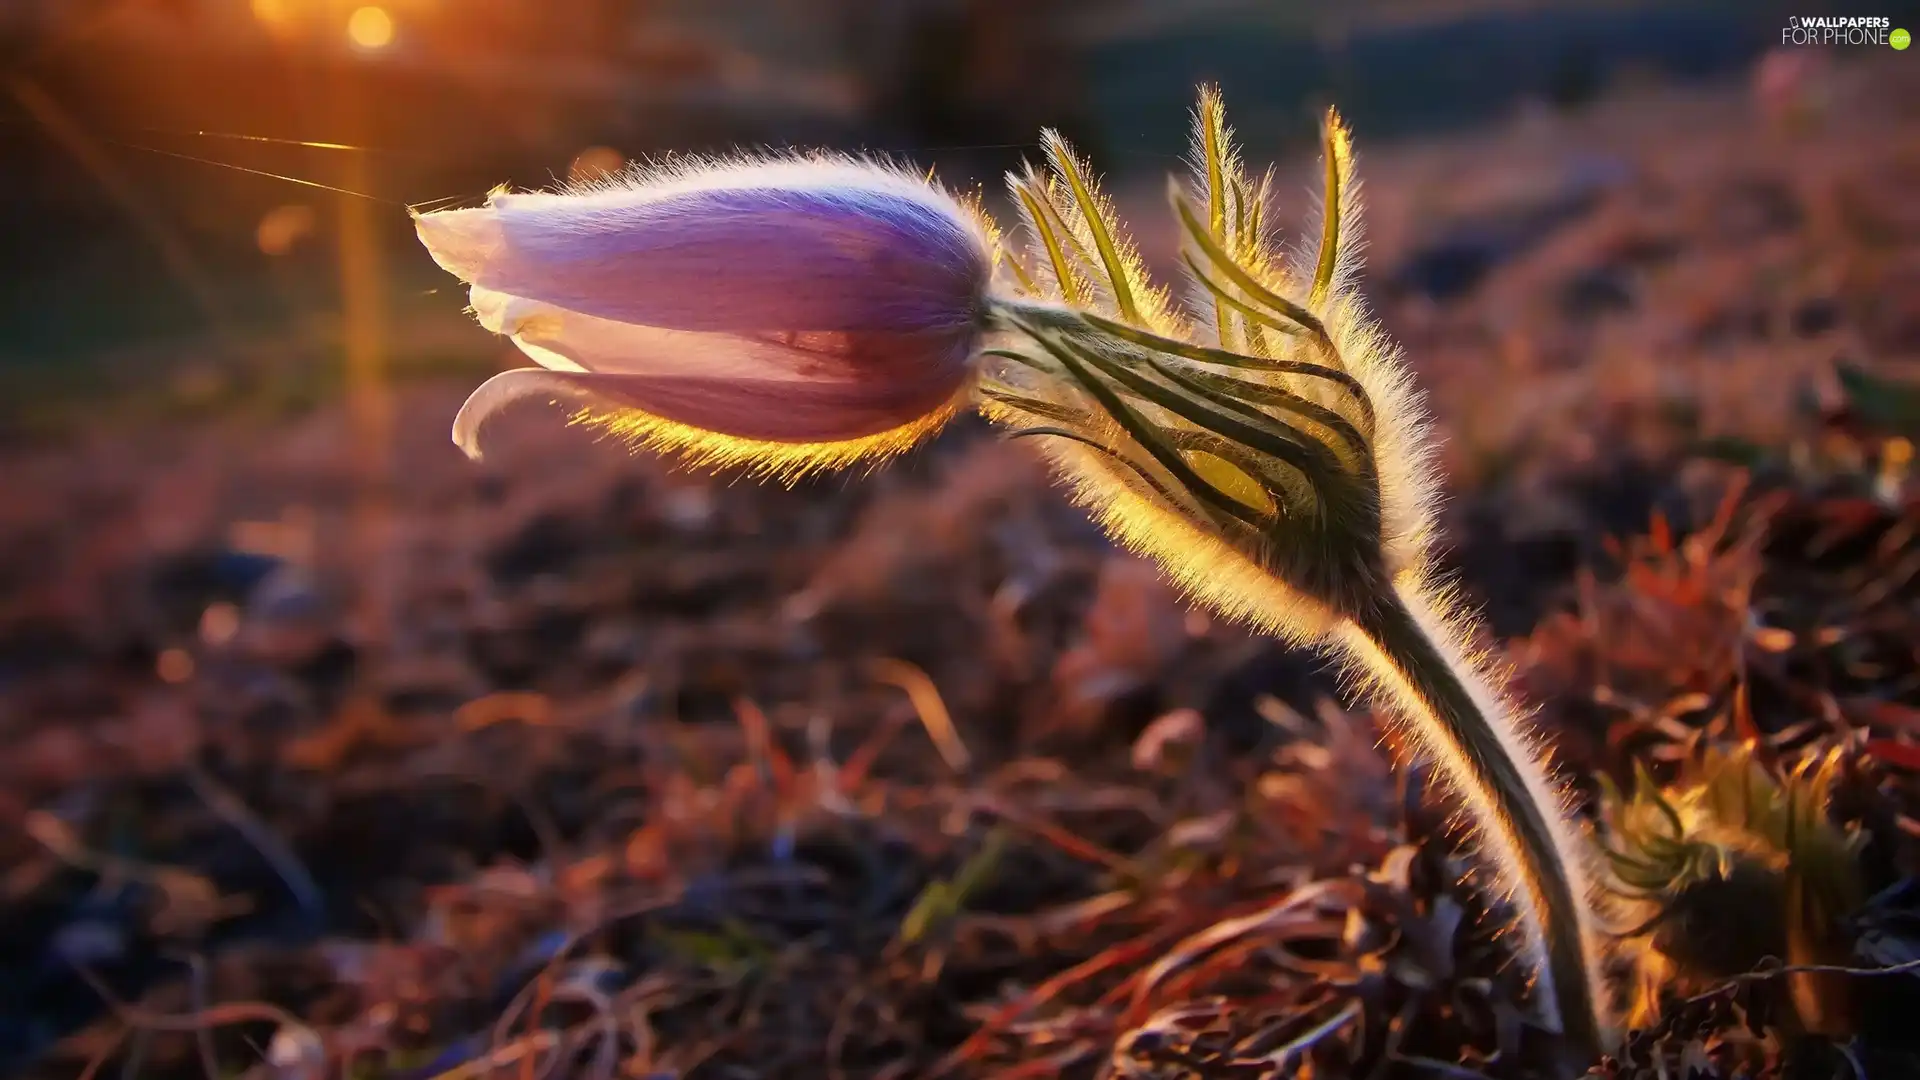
[[1730, 836]]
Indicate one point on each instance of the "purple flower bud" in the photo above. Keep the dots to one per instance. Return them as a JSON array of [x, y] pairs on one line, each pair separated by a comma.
[[792, 301]]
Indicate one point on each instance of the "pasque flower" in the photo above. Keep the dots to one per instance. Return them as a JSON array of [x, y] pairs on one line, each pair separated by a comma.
[[1261, 441], [792, 313]]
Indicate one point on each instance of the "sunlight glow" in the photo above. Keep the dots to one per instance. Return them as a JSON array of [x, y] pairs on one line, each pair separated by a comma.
[[370, 27], [785, 462]]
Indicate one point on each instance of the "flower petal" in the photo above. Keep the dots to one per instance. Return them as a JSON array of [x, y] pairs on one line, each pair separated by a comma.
[[496, 394], [525, 321], [929, 364], [772, 410], [794, 246]]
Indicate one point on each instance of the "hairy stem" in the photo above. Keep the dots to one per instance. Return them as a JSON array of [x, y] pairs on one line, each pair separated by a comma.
[[1464, 724]]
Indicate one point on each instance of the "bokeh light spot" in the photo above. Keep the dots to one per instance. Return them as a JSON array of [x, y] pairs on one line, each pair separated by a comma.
[[219, 623], [370, 27], [595, 162], [174, 666]]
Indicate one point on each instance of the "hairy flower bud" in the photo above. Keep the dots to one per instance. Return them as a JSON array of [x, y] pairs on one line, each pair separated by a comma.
[[1264, 444], [788, 314], [1267, 450]]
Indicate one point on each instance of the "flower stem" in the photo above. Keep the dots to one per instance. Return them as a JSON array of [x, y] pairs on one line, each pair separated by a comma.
[[1402, 644]]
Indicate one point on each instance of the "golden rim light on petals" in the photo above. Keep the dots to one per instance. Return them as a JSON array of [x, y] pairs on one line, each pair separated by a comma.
[[786, 462]]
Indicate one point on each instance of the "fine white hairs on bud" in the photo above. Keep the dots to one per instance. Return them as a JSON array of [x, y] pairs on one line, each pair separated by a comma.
[[787, 313], [1324, 450], [1267, 448]]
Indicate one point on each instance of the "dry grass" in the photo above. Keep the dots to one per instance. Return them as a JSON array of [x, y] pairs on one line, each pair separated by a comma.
[[652, 775]]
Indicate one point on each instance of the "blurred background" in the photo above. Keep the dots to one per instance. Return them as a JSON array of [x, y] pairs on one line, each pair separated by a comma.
[[136, 132], [290, 686]]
